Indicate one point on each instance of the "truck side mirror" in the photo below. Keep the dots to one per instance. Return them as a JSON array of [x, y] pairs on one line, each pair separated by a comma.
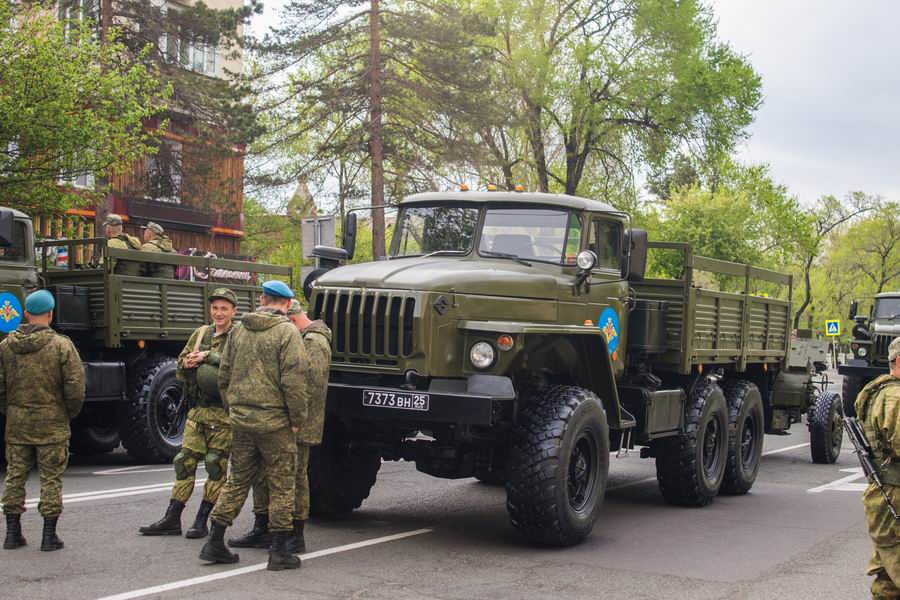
[[349, 235], [7, 227], [854, 307], [634, 265]]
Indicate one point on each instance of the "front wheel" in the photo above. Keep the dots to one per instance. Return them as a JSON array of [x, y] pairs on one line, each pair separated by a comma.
[[558, 466], [342, 471], [151, 419], [826, 429], [851, 386]]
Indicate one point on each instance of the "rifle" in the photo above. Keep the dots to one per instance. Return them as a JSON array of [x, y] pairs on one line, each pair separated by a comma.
[[866, 458]]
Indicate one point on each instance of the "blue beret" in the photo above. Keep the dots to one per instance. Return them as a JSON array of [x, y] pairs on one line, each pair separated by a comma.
[[39, 302], [277, 288]]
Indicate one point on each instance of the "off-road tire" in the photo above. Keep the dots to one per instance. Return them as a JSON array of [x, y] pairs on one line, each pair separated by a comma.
[[850, 389], [90, 440], [153, 390], [826, 429], [685, 477], [746, 424], [341, 472], [558, 466]]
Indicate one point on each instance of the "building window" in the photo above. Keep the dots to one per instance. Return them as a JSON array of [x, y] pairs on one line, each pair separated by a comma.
[[179, 48], [164, 172], [73, 11]]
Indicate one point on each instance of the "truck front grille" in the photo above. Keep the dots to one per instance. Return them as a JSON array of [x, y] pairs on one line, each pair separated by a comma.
[[880, 346], [367, 327]]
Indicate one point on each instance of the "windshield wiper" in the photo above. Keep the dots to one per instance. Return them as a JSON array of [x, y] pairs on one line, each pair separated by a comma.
[[506, 255], [435, 253]]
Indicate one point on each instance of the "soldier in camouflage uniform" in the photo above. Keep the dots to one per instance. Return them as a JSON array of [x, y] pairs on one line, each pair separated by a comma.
[[878, 411], [117, 238], [207, 433], [155, 240], [317, 341], [41, 390], [262, 379]]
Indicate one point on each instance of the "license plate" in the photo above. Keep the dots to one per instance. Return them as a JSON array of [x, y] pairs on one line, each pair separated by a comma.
[[400, 400]]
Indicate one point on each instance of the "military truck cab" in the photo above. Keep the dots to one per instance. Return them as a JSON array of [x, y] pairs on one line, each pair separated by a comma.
[[871, 337], [513, 337]]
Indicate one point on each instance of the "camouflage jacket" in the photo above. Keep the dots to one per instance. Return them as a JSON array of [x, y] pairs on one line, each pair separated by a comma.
[[317, 340], [163, 245], [125, 242], [878, 410], [41, 385], [263, 373], [213, 344]]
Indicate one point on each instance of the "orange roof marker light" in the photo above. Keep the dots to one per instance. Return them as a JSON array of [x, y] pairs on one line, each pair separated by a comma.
[[464, 187], [588, 323], [520, 188], [491, 187]]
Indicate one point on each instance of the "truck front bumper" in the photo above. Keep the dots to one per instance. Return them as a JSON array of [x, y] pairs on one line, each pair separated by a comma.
[[860, 368], [453, 401]]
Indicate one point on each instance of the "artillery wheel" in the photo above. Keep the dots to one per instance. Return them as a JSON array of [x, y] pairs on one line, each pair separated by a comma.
[[826, 429], [690, 467], [558, 466], [151, 419], [746, 428], [96, 438]]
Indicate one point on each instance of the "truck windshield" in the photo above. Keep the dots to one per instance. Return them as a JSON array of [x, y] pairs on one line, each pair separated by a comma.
[[539, 234], [435, 229], [887, 308]]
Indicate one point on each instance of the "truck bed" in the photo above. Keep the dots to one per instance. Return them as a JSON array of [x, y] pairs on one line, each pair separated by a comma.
[[712, 327]]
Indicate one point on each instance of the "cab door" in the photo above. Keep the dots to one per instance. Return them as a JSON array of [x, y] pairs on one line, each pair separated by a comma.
[[606, 294]]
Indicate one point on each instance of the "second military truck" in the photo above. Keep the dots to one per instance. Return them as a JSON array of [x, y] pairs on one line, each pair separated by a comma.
[[514, 337]]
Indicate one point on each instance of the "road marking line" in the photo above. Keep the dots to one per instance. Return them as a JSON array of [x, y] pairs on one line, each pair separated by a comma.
[[132, 470], [112, 493], [177, 585], [844, 483], [776, 451]]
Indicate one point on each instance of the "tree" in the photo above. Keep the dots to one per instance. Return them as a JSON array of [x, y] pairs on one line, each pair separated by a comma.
[[70, 108]]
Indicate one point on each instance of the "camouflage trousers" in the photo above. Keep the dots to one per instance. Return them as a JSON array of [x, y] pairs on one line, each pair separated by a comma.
[[51, 460], [885, 534], [301, 488], [211, 443], [274, 454]]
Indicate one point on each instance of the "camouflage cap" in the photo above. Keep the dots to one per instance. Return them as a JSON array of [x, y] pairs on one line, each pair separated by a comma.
[[154, 227], [223, 294], [295, 308], [894, 350], [114, 220]]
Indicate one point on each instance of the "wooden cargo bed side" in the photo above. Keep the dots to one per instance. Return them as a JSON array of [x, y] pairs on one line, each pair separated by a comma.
[[706, 326]]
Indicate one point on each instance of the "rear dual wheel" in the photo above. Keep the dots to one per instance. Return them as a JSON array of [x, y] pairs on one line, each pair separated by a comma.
[[746, 428]]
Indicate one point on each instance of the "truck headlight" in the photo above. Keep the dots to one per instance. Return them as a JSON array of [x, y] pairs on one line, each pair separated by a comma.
[[862, 351], [482, 355]]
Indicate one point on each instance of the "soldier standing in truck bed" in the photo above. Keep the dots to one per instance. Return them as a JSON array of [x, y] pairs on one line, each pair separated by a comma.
[[117, 238], [317, 341], [878, 411], [263, 379], [207, 433], [41, 391], [155, 240]]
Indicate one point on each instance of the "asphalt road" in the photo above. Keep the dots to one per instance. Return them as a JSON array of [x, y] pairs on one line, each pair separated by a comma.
[[800, 533]]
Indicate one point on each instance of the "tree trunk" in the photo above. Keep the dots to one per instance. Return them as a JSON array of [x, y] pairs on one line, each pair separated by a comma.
[[808, 292], [376, 144], [536, 139]]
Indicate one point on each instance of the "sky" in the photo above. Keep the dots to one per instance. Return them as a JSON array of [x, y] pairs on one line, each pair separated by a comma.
[[831, 83]]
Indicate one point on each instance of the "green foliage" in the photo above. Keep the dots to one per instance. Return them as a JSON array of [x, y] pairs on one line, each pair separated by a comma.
[[69, 107]]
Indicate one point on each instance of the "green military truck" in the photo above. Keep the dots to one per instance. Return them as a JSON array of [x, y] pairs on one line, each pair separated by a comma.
[[513, 337], [129, 330], [871, 337]]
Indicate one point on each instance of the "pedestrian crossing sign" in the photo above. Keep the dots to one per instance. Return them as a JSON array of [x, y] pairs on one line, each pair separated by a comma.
[[833, 328]]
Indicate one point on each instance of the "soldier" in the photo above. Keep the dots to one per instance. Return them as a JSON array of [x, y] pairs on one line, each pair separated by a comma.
[[117, 238], [262, 379], [207, 433], [41, 390], [317, 341], [155, 240], [878, 410]]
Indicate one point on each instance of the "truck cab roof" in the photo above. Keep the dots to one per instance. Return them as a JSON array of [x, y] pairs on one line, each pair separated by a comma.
[[561, 200], [887, 295]]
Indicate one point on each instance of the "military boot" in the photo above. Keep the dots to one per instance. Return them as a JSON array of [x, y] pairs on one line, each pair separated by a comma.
[[279, 557], [215, 550], [50, 541], [199, 529], [14, 537], [169, 524], [258, 537], [296, 544]]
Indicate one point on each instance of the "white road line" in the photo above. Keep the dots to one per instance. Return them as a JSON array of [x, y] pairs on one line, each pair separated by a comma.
[[135, 470], [112, 493], [177, 585], [777, 450], [844, 483]]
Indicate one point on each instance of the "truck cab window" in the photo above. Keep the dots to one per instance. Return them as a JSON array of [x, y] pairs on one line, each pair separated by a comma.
[[16, 251], [606, 242], [427, 229], [545, 235]]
